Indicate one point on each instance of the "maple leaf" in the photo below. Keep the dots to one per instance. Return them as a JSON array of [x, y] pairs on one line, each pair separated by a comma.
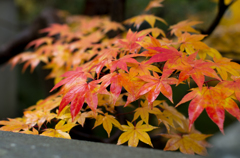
[[155, 32], [187, 143], [47, 104], [40, 41], [232, 85], [130, 43], [202, 53], [156, 85], [133, 134], [14, 125], [76, 90], [197, 69], [150, 42], [143, 68], [116, 84], [170, 54], [107, 121], [132, 85], [81, 117], [184, 26], [111, 25], [33, 131], [54, 29], [153, 4], [60, 130], [87, 41], [38, 117], [225, 66], [169, 116], [214, 100], [191, 43], [122, 63], [144, 111], [107, 101], [30, 58], [138, 20]]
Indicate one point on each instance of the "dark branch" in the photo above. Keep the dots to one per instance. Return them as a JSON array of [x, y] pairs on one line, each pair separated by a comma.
[[91, 137], [222, 7]]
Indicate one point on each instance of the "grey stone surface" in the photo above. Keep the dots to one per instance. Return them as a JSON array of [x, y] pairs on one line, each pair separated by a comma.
[[16, 145], [228, 145]]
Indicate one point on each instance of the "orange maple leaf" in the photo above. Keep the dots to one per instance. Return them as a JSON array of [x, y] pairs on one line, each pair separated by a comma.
[[184, 26], [143, 68], [14, 125], [225, 66], [54, 29], [132, 84], [191, 43], [130, 43], [232, 85], [153, 4], [187, 143], [197, 69], [40, 41]]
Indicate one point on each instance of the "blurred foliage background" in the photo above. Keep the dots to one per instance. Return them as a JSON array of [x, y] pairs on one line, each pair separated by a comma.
[[226, 38]]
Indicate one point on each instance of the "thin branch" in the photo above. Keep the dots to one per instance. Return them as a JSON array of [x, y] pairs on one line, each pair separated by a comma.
[[222, 7], [113, 137], [91, 137]]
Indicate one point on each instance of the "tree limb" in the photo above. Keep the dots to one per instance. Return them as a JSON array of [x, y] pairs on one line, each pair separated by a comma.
[[222, 7]]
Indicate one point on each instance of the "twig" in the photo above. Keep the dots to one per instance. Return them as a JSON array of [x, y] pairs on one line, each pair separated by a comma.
[[222, 7]]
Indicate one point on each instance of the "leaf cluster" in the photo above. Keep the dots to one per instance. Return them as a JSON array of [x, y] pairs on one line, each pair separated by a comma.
[[96, 75]]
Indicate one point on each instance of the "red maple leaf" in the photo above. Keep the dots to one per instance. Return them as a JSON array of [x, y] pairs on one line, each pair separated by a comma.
[[214, 100], [156, 85], [164, 54], [116, 85], [76, 90], [130, 43]]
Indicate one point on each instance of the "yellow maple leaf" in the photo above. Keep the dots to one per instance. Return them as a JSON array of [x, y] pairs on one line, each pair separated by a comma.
[[155, 32], [133, 134], [61, 130], [144, 111], [191, 43], [225, 66], [211, 52], [107, 122], [33, 131], [138, 20]]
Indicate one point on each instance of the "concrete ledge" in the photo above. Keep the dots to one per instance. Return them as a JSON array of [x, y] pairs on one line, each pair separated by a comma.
[[17, 145]]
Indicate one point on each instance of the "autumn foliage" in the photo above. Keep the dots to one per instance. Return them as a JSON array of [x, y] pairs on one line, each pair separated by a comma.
[[95, 76]]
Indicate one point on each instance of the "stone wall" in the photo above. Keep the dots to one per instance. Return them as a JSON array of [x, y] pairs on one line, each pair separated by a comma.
[[8, 86]]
